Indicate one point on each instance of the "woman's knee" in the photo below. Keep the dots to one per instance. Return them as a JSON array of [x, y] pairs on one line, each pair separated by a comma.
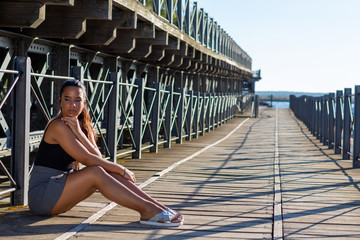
[[96, 171], [97, 175]]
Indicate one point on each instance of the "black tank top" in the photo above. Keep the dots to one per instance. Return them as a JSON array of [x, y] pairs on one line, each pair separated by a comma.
[[53, 156]]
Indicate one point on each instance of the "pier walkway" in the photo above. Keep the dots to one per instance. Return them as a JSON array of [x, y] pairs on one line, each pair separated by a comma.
[[263, 178]]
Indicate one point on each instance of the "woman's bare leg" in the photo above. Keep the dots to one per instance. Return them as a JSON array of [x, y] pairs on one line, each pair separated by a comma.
[[136, 190], [83, 183], [142, 194]]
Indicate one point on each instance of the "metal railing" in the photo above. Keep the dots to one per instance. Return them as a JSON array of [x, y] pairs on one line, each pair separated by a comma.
[[6, 95], [333, 119], [196, 23], [249, 101], [128, 116]]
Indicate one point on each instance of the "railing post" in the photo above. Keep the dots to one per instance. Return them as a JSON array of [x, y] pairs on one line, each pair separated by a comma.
[[169, 117], [20, 131], [322, 125], [304, 110], [326, 120], [223, 108], [157, 6], [318, 117], [219, 110], [338, 122], [180, 115], [202, 116], [356, 145], [170, 10], [211, 111], [214, 117], [138, 122], [216, 110], [78, 73], [309, 113], [155, 115], [232, 106], [228, 106], [314, 111], [256, 106], [331, 120], [189, 119], [347, 123], [113, 116], [196, 115], [208, 116]]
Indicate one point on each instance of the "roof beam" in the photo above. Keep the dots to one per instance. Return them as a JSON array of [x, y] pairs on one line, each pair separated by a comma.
[[147, 14], [70, 22], [103, 32], [157, 53], [49, 2], [21, 14], [159, 44], [125, 42]]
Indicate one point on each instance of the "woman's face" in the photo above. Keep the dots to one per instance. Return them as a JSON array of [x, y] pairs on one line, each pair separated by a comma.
[[72, 102]]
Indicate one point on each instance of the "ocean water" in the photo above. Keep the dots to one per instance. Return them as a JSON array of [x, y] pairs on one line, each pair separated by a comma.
[[279, 104]]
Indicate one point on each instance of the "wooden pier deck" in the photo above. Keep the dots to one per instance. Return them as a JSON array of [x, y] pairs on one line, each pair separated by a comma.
[[264, 178]]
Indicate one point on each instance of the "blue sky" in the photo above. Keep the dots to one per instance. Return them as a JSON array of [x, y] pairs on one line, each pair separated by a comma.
[[299, 45]]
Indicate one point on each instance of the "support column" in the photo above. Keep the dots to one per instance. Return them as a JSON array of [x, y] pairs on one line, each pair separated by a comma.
[[338, 121], [180, 115], [113, 116], [59, 61], [137, 124], [196, 115], [78, 73], [347, 123], [208, 113], [155, 115], [356, 147], [318, 117], [202, 115], [189, 119], [20, 131], [169, 117], [331, 120]]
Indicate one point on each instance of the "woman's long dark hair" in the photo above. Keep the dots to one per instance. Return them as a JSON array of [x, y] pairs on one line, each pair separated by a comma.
[[84, 117]]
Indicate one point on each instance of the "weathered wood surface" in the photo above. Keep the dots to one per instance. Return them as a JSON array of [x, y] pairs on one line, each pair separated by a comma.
[[320, 191], [227, 191]]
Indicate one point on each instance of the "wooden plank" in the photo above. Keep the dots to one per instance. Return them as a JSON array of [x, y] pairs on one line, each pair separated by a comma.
[[320, 200], [227, 191]]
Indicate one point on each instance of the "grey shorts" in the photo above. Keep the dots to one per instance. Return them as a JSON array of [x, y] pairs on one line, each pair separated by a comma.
[[45, 188]]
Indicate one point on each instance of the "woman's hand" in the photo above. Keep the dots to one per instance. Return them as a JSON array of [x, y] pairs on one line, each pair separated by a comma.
[[72, 123], [129, 175]]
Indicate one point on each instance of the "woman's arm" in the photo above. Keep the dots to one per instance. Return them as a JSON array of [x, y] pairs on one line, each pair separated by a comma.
[[89, 144], [58, 132]]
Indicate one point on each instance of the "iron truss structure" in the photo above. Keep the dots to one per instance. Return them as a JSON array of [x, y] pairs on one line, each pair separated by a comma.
[[156, 72]]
